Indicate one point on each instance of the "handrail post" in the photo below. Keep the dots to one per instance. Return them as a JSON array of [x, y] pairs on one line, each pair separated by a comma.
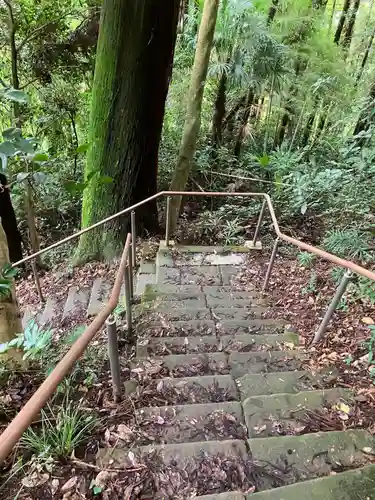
[[270, 265], [37, 281], [168, 220], [130, 273], [259, 224], [128, 301], [348, 276], [114, 360], [134, 238]]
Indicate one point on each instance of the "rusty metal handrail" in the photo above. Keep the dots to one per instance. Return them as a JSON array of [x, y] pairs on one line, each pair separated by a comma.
[[25, 417], [27, 414]]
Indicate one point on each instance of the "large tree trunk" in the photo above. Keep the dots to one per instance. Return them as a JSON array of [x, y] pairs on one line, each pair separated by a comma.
[[341, 23], [350, 27], [366, 117], [365, 57], [194, 106], [10, 322], [132, 72]]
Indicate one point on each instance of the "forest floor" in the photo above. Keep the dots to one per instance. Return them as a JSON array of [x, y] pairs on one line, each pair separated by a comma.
[[292, 296]]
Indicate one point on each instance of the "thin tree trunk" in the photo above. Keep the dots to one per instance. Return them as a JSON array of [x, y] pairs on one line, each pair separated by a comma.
[[194, 107], [219, 111], [30, 213], [10, 317], [350, 27], [243, 124], [9, 222], [133, 67], [228, 124], [332, 16], [272, 12], [365, 57], [341, 23]]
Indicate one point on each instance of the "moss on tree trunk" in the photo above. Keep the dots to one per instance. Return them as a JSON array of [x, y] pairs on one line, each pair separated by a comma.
[[132, 71]]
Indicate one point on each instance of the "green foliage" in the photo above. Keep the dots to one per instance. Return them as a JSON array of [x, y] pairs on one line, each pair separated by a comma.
[[306, 259], [311, 285], [347, 243], [34, 341], [61, 431], [7, 275]]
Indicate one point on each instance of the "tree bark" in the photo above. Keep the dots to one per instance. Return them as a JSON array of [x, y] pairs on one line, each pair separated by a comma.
[[366, 117], [9, 222], [365, 57], [341, 23], [133, 67], [272, 12], [243, 124], [194, 106], [350, 27], [219, 111], [10, 321]]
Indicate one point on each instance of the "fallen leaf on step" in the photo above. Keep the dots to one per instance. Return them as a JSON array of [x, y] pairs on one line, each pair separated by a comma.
[[368, 321], [368, 450], [35, 479], [70, 484]]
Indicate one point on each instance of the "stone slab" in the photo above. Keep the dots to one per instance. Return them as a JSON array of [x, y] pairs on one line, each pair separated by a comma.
[[230, 302], [169, 275], [314, 454], [99, 296], [147, 267], [262, 342], [176, 328], [232, 495], [249, 313], [241, 363], [180, 454], [238, 326], [51, 312], [211, 259], [176, 345], [217, 388], [77, 300], [211, 363], [275, 414], [225, 291], [168, 288], [200, 275], [357, 484], [143, 281], [183, 314], [260, 384], [194, 422]]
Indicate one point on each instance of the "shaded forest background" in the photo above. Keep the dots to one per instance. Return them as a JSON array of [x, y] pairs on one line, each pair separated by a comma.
[[288, 109]]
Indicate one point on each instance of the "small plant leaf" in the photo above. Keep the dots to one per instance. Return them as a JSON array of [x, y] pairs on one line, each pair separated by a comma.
[[16, 96], [82, 148], [40, 157]]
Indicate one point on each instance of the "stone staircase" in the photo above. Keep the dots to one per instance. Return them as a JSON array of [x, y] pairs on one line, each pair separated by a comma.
[[240, 388]]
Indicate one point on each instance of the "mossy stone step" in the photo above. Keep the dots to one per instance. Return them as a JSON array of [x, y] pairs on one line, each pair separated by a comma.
[[313, 455], [280, 382], [196, 364], [357, 484], [181, 455], [241, 363], [176, 328], [253, 326], [232, 495], [228, 343], [280, 413], [204, 389], [194, 422]]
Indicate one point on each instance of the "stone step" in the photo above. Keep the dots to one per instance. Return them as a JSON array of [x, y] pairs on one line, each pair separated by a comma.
[[76, 303], [204, 389], [254, 326], [357, 484], [241, 363], [189, 365], [280, 382], [250, 313], [228, 343], [181, 455], [232, 495], [192, 423], [224, 249], [175, 289], [186, 314], [146, 277], [222, 292], [99, 296], [280, 414], [51, 312], [312, 455], [31, 313], [176, 329], [179, 300], [238, 302], [208, 259]]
